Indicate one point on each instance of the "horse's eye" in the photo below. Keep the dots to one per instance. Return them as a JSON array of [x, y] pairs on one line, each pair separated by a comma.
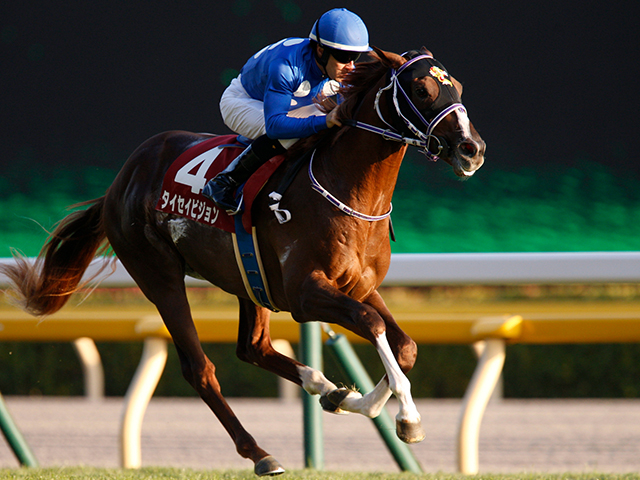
[[422, 92]]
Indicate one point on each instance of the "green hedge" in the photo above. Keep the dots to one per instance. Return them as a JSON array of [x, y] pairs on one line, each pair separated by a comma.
[[549, 208], [540, 371]]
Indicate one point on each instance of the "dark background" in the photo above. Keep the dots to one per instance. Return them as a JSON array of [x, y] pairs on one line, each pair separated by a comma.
[[87, 82]]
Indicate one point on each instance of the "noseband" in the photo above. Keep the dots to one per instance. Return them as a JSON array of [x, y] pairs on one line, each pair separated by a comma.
[[420, 139]]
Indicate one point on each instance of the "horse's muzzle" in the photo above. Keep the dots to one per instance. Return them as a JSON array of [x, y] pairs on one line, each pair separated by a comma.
[[467, 157]]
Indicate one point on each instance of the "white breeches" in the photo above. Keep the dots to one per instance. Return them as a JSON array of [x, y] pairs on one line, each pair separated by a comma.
[[245, 115]]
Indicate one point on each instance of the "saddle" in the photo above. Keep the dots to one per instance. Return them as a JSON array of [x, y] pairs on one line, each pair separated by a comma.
[[188, 174]]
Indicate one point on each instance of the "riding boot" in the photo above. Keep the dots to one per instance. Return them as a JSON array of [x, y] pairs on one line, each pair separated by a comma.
[[221, 188]]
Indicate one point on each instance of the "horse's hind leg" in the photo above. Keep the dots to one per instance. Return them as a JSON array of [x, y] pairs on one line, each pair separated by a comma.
[[204, 381], [161, 278]]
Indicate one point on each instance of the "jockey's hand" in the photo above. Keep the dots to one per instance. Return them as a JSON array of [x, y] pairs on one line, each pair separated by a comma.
[[333, 119]]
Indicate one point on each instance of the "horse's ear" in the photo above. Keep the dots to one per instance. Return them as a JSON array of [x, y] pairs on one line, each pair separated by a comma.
[[389, 59], [457, 85], [425, 51]]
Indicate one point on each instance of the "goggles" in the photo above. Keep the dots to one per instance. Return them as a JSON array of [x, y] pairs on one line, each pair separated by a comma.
[[343, 56]]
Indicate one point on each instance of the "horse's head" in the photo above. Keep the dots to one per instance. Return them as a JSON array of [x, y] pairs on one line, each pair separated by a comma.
[[428, 106]]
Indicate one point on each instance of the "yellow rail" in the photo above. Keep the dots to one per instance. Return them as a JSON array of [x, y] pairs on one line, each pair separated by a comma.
[[542, 323]]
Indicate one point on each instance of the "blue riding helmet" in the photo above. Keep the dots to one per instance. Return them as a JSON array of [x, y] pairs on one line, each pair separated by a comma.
[[341, 29]]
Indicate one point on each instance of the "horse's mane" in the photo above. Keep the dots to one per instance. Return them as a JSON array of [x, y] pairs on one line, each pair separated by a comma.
[[356, 84]]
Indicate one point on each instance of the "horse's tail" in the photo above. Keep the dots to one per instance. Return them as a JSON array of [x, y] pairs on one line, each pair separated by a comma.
[[43, 287]]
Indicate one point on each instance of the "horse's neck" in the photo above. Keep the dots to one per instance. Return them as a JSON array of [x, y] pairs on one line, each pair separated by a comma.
[[362, 167]]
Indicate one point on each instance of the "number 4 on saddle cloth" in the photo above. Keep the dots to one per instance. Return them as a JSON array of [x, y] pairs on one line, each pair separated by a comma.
[[181, 195]]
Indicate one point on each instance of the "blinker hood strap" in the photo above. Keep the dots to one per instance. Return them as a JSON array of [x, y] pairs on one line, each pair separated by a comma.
[[426, 65], [422, 139]]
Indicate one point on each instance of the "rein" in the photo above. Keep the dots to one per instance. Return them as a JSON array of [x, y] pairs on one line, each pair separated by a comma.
[[422, 139]]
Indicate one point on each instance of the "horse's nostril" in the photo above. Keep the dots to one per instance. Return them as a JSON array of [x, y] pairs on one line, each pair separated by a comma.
[[468, 149]]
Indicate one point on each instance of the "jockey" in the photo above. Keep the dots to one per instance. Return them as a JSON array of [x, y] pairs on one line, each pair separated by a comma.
[[271, 101]]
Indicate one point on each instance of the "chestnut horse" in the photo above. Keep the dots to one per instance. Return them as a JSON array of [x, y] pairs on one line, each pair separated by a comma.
[[325, 264]]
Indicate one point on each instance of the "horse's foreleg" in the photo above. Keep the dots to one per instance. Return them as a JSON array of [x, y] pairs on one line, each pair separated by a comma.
[[369, 405], [398, 353], [254, 343], [408, 425], [408, 420], [404, 351], [321, 301], [254, 346]]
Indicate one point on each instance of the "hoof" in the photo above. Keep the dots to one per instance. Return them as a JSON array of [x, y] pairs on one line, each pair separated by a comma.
[[410, 432], [268, 466], [331, 401]]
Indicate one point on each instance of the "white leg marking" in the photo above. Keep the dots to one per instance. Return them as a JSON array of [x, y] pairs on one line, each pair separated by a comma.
[[372, 403], [398, 382], [314, 382]]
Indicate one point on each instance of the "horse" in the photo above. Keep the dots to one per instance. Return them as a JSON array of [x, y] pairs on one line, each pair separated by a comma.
[[325, 264]]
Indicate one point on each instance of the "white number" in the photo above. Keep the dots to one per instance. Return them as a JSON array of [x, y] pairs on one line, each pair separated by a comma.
[[197, 181]]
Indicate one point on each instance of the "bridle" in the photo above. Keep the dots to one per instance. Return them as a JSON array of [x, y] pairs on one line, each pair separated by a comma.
[[420, 139]]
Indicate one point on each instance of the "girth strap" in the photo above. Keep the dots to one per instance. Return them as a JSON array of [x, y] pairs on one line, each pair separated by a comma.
[[245, 246]]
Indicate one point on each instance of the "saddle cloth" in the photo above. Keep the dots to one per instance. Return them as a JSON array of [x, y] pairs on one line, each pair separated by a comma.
[[182, 186]]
